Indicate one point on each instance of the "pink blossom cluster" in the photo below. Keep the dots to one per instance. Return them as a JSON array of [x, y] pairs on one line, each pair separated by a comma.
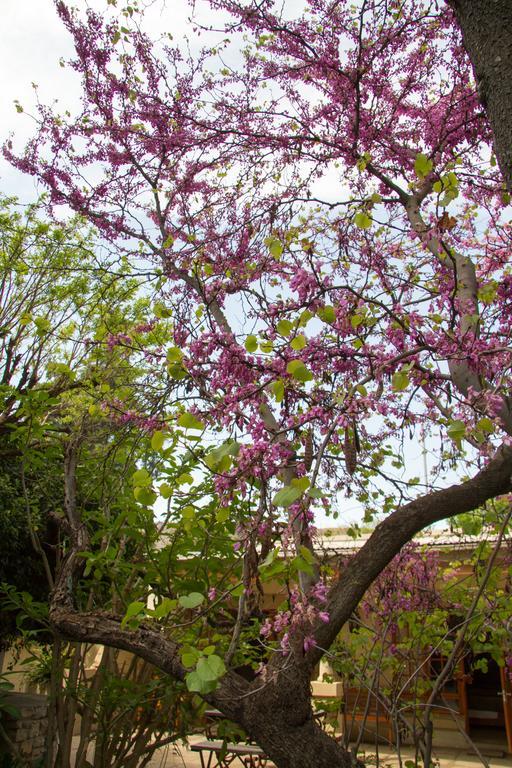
[[387, 330], [409, 583], [119, 414], [300, 620], [118, 339]]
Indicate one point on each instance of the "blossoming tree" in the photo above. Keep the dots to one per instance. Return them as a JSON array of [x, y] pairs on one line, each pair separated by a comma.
[[330, 225]]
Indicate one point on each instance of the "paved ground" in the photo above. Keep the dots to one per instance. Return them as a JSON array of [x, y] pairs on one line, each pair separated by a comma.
[[181, 757]]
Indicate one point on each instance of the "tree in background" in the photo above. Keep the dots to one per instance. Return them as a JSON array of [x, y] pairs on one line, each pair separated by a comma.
[[317, 331], [78, 331], [61, 306]]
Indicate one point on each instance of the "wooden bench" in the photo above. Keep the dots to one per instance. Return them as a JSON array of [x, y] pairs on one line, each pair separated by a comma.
[[218, 754]]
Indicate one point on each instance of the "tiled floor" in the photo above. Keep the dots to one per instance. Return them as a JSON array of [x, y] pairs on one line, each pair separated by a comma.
[[181, 757]]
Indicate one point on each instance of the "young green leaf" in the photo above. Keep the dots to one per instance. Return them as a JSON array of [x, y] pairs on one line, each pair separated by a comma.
[[399, 381], [287, 496], [145, 496], [157, 441], [302, 483], [134, 610], [189, 421], [422, 165], [164, 608], [485, 425], [299, 342], [141, 478], [197, 684], [215, 456], [266, 346], [189, 659], [251, 343], [174, 355], [210, 667], [192, 600], [278, 390], [327, 314], [275, 247], [165, 490], [362, 220], [285, 327], [456, 431], [298, 370]]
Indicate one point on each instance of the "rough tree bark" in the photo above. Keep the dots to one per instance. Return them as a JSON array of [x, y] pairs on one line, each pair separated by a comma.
[[487, 32]]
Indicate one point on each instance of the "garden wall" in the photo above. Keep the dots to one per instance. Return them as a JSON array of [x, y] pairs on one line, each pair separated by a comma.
[[28, 731]]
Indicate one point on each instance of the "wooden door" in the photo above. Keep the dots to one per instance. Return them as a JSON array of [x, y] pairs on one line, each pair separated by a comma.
[[506, 692]]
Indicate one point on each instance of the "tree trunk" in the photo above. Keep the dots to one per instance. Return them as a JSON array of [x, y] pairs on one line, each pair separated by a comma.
[[305, 746], [278, 716], [487, 32]]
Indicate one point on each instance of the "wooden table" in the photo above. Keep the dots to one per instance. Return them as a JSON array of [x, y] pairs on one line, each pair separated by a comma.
[[218, 754]]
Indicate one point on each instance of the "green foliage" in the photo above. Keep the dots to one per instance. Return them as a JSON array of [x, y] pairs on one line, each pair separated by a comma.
[[284, 327], [77, 395], [298, 371], [362, 220], [456, 431], [275, 247], [18, 565], [208, 670], [299, 342], [219, 459], [192, 600], [287, 496], [400, 381], [189, 421], [327, 314], [278, 390], [251, 343], [422, 165]]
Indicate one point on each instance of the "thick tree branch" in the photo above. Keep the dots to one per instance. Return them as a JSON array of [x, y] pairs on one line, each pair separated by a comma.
[[147, 643], [399, 528], [486, 29], [466, 293]]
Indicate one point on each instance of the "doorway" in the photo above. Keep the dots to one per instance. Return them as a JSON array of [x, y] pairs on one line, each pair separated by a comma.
[[489, 702]]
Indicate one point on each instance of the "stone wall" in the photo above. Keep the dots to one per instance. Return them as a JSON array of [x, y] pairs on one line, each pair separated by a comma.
[[28, 731]]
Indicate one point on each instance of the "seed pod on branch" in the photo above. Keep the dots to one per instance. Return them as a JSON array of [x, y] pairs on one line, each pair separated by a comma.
[[350, 451], [308, 450], [357, 442]]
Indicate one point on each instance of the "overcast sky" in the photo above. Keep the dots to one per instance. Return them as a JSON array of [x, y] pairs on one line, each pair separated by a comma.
[[32, 42]]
